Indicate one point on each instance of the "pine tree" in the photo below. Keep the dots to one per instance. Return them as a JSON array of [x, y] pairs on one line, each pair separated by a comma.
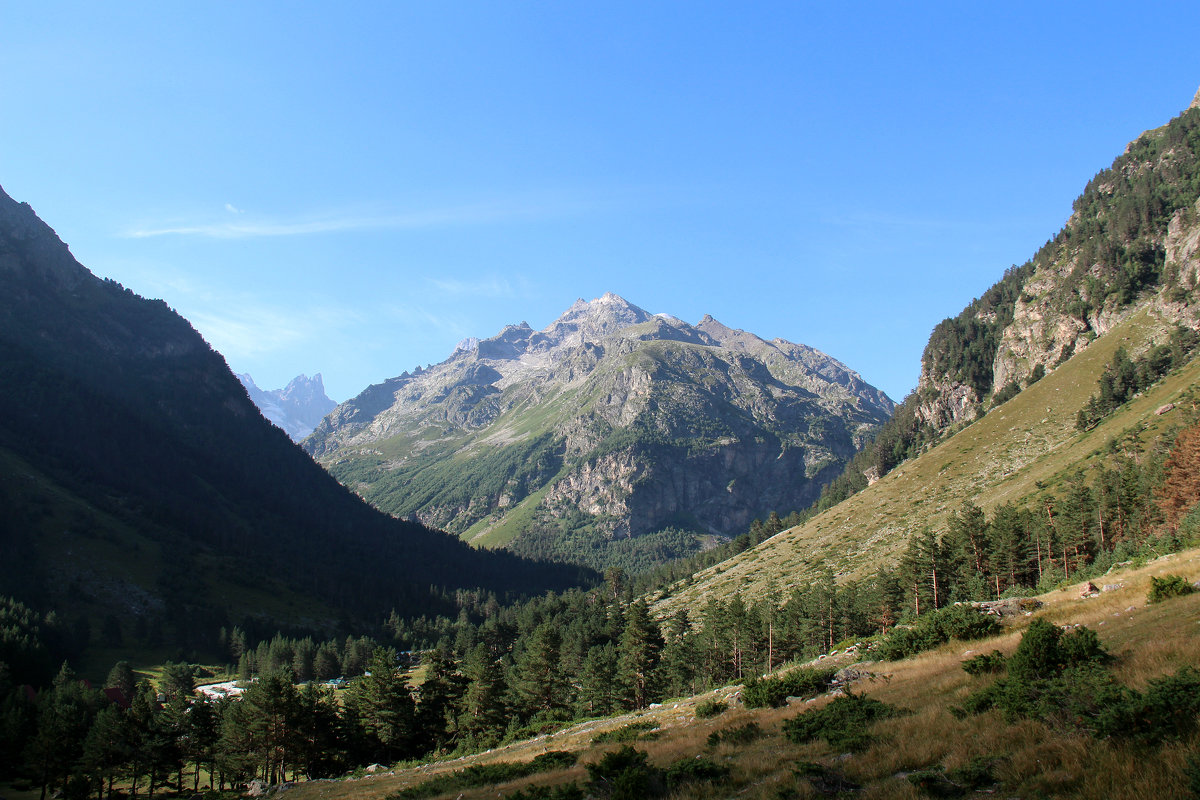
[[1009, 547], [320, 743], [270, 705], [108, 747], [638, 654], [681, 657], [201, 740], [436, 699], [537, 681], [121, 677], [599, 690], [1075, 520], [65, 715], [385, 706], [482, 714]]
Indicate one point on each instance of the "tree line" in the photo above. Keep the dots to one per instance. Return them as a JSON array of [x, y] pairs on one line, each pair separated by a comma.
[[498, 673]]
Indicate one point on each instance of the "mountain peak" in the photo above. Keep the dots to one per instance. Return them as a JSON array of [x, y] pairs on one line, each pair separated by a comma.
[[589, 320], [297, 408], [1195, 101]]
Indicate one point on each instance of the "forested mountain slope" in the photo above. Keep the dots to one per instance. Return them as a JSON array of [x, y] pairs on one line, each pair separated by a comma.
[[1133, 240], [140, 485], [1009, 376], [587, 439]]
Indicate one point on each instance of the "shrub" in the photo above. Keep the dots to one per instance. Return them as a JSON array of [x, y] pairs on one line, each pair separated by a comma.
[[552, 760], [691, 770], [938, 627], [774, 692], [1006, 393], [985, 663], [487, 775], [1168, 709], [1192, 772], [843, 723], [975, 775], [1167, 587], [633, 732], [1061, 679], [743, 734], [625, 774], [933, 782], [567, 791], [1045, 650], [711, 708]]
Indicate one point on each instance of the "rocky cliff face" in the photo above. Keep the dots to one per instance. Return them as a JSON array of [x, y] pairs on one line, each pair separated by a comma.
[[611, 422], [1132, 243], [297, 408]]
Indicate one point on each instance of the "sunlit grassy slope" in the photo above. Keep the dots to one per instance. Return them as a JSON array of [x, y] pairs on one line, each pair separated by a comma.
[[1028, 758], [1028, 442]]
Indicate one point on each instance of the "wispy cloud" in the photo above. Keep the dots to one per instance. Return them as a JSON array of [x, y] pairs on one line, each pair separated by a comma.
[[232, 209], [482, 287], [243, 228], [250, 330]]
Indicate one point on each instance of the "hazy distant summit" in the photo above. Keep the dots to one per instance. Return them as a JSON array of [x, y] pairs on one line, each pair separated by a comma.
[[610, 423], [297, 408]]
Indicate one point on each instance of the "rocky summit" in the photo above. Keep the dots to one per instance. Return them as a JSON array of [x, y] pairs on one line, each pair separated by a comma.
[[613, 435], [296, 408]]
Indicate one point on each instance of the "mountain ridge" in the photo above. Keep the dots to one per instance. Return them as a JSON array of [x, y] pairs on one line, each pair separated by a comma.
[[1022, 359], [135, 465], [596, 402]]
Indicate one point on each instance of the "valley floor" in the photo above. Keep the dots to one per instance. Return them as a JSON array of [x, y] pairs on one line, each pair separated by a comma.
[[1027, 758]]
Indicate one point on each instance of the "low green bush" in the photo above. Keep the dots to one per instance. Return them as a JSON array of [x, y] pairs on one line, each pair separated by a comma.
[[566, 791], [964, 622], [1168, 586], [844, 723], [743, 734], [625, 774], [933, 782], [979, 773], [487, 775], [985, 663], [711, 708], [774, 692], [633, 732], [1063, 679], [694, 770], [553, 760]]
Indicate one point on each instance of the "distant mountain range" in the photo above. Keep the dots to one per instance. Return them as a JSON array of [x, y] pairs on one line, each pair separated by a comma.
[[141, 487], [296, 408], [610, 427]]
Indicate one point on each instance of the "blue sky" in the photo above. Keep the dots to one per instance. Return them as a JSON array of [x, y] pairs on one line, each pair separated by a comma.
[[353, 188]]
